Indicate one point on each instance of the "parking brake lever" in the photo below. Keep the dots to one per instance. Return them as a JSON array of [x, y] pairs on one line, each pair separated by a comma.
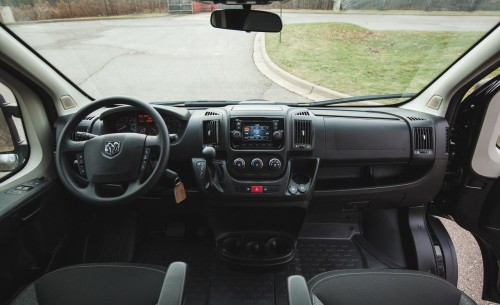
[[213, 174]]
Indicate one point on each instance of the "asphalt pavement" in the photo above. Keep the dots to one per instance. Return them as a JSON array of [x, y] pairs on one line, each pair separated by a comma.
[[174, 58], [470, 262]]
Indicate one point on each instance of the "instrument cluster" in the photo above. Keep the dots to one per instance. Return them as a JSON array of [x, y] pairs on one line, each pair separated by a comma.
[[143, 123]]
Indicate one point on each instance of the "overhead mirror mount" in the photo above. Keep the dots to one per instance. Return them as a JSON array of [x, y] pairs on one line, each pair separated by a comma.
[[246, 20]]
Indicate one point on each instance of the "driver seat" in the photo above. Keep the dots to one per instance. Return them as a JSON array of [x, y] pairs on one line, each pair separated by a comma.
[[103, 284]]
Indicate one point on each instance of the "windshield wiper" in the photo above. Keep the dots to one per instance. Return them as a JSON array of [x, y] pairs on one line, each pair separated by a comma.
[[362, 98], [215, 103], [197, 103]]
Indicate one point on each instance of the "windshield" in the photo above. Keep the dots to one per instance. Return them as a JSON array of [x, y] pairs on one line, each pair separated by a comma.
[[166, 51]]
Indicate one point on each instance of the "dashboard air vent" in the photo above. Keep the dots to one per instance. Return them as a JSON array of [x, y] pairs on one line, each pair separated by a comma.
[[423, 140], [211, 132], [413, 118], [302, 135], [74, 136], [306, 113], [210, 113]]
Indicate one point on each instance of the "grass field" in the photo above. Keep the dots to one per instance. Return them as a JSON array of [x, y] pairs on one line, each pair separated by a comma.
[[357, 61], [384, 12]]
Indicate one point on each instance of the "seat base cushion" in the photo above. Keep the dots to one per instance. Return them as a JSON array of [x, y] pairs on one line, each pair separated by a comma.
[[124, 284], [383, 287]]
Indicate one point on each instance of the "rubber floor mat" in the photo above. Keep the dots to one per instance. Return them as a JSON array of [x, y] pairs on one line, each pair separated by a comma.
[[315, 256], [212, 282]]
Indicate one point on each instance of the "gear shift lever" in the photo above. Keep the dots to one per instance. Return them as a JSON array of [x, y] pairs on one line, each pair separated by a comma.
[[213, 174], [209, 154]]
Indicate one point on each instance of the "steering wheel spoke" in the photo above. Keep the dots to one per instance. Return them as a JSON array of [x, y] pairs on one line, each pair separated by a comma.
[[153, 141], [70, 146], [91, 188]]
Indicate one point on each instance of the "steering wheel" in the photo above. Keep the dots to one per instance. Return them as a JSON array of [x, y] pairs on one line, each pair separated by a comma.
[[117, 158]]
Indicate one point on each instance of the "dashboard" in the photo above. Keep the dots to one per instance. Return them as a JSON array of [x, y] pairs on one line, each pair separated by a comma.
[[348, 158]]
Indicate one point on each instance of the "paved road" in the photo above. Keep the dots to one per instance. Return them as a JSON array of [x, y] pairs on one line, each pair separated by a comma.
[[470, 263], [183, 57], [169, 58]]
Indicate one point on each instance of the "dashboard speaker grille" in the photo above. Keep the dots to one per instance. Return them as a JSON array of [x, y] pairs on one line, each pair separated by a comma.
[[413, 118], [423, 140], [306, 113], [211, 132]]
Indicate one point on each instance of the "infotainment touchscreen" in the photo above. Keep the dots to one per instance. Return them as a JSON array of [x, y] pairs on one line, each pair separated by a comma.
[[253, 131]]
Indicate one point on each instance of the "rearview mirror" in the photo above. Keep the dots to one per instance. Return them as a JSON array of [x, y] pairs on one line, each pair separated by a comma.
[[246, 20]]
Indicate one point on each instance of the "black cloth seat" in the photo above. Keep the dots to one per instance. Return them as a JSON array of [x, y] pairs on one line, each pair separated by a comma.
[[377, 287], [374, 287], [99, 284]]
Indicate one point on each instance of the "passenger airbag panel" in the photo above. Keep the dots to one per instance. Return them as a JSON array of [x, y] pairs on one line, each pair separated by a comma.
[[361, 140]]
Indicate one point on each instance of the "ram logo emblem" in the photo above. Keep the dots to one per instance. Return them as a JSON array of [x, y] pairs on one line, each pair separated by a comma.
[[112, 148]]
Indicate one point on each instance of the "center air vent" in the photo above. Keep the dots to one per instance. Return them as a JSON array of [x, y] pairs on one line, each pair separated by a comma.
[[302, 135], [211, 133], [423, 140]]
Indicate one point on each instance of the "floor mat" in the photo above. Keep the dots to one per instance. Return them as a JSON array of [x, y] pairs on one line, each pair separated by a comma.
[[315, 256], [212, 282]]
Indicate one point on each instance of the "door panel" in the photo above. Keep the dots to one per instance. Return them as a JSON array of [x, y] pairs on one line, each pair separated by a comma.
[[32, 235], [486, 158], [472, 188]]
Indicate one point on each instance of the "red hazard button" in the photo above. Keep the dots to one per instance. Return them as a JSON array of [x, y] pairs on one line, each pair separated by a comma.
[[257, 189]]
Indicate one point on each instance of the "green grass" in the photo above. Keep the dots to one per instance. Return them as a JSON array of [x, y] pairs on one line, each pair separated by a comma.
[[357, 61], [385, 12]]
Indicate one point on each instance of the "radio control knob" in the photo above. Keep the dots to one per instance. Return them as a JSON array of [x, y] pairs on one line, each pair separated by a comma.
[[257, 164], [274, 164], [236, 134], [239, 164], [277, 135]]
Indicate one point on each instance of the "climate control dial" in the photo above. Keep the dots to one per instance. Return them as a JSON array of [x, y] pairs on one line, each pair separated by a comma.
[[239, 164], [257, 164], [274, 164]]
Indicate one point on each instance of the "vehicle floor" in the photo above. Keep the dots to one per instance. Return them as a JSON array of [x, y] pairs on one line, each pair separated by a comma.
[[212, 281]]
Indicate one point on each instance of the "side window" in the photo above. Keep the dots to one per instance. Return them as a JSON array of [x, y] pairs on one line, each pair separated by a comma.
[[14, 148], [483, 81]]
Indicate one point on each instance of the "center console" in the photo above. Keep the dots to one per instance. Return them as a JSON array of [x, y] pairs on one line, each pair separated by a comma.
[[257, 175]]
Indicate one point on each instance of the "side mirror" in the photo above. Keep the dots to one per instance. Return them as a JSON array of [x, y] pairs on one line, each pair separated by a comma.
[[8, 162], [246, 20]]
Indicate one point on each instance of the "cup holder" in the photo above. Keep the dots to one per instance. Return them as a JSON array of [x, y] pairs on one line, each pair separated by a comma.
[[232, 246], [279, 245], [257, 249]]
